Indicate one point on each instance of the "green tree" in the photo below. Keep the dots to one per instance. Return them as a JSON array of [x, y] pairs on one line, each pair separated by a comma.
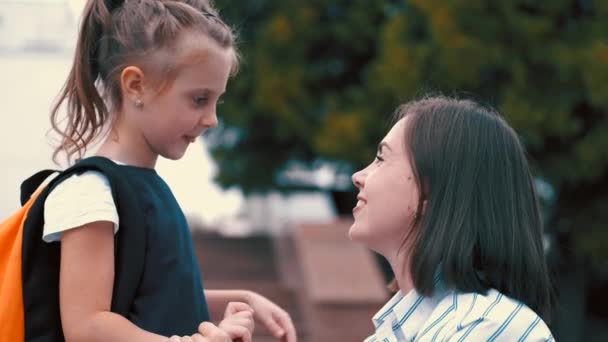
[[321, 78], [302, 60]]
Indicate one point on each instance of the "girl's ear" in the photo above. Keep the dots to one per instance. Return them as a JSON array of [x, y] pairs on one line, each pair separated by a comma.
[[132, 80]]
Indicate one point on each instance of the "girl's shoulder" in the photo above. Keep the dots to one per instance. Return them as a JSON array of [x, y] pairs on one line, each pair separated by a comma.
[[85, 186], [76, 201]]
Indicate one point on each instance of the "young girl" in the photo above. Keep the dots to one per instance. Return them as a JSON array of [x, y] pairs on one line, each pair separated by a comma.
[[152, 72], [450, 203]]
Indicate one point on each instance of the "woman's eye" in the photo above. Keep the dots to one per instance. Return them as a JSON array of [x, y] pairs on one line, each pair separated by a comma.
[[379, 158]]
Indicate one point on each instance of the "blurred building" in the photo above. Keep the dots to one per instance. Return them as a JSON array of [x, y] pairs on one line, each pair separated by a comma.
[[330, 286], [37, 25]]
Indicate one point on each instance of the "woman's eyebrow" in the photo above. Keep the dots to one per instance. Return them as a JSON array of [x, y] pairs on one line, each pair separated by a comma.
[[382, 145]]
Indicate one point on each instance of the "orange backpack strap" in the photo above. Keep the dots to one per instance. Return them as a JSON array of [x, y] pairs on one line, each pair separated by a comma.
[[12, 311]]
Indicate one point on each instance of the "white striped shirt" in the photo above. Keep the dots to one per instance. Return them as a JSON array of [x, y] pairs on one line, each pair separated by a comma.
[[449, 315]]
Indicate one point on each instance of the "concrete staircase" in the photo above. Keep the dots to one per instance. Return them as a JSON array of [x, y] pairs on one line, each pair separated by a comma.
[[330, 286]]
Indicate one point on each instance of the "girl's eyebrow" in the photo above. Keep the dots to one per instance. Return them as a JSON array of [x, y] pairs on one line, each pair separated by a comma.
[[208, 91]]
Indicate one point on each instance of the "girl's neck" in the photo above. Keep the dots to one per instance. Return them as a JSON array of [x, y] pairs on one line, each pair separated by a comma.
[[127, 149]]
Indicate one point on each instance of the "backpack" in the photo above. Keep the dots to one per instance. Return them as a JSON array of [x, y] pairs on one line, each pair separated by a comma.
[[29, 267]]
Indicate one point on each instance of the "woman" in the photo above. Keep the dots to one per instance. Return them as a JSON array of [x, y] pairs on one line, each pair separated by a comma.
[[450, 202]]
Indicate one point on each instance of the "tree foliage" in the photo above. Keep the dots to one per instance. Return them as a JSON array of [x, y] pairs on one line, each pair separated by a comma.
[[321, 78]]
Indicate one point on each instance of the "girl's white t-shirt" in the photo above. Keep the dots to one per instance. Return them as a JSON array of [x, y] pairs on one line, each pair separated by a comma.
[[78, 200]]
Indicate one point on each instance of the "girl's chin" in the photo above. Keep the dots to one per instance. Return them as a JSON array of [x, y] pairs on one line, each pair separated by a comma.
[[175, 154]]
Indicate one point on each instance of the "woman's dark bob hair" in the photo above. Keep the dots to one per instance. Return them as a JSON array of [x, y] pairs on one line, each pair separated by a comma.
[[481, 221]]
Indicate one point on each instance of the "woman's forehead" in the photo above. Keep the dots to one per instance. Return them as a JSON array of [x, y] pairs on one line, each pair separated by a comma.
[[395, 137]]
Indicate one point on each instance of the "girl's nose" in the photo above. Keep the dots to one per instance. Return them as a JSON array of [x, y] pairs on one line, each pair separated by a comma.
[[209, 121]]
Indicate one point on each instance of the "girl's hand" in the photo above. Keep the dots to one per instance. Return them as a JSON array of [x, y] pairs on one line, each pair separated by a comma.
[[207, 333], [238, 322], [272, 316]]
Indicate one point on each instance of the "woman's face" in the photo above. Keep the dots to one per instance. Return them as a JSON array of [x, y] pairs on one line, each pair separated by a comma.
[[388, 196]]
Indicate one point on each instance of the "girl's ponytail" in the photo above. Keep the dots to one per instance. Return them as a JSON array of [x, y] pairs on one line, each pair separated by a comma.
[[113, 35], [86, 110]]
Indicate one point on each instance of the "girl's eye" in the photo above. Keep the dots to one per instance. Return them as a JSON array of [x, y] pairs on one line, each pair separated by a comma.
[[379, 158], [200, 101]]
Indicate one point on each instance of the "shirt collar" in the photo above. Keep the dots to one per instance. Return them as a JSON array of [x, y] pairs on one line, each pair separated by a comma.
[[410, 310], [399, 300]]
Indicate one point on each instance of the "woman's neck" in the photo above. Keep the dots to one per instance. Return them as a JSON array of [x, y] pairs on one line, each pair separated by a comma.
[[400, 263]]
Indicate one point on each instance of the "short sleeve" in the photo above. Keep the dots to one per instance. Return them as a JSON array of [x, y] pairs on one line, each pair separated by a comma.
[[78, 200]]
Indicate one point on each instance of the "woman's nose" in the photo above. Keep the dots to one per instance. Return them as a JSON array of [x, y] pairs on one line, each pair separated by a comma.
[[358, 178]]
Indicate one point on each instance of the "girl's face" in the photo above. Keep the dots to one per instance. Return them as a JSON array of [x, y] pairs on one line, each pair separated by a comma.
[[388, 196], [173, 119]]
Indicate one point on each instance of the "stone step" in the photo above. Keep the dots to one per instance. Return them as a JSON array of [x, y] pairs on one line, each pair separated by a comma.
[[248, 263], [223, 258], [335, 269]]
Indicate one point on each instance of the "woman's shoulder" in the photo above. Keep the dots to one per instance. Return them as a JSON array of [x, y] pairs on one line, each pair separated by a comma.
[[495, 316]]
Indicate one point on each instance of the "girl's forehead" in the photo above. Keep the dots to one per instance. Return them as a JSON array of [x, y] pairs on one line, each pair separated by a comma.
[[194, 48], [211, 66]]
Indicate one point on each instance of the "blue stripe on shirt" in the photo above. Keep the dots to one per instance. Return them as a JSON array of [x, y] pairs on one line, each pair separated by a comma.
[[408, 313], [389, 310], [450, 309], [529, 330], [437, 333], [470, 309], [436, 279], [482, 317], [506, 323]]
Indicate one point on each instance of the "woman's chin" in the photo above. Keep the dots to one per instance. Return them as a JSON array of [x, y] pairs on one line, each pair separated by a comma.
[[361, 234], [356, 232]]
